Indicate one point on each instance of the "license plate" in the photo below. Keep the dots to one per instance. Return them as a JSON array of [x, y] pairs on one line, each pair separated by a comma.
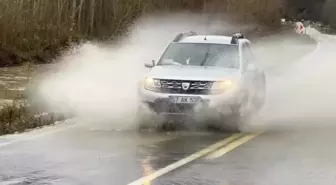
[[184, 99]]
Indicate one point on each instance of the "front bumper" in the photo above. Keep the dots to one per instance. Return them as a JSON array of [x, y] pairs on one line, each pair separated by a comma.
[[211, 105]]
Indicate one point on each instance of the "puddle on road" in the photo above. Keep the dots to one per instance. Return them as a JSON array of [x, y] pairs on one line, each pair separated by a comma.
[[14, 80], [12, 83]]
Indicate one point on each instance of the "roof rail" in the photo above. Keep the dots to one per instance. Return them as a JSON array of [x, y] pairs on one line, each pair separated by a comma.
[[236, 37], [183, 35]]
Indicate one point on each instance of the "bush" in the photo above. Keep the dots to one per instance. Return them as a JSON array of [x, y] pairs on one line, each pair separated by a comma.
[[18, 116]]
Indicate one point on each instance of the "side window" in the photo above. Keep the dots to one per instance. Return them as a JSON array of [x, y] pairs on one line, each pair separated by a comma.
[[251, 57], [246, 58], [247, 54]]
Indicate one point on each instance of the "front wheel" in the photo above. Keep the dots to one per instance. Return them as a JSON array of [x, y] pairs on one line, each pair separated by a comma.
[[233, 122], [149, 121]]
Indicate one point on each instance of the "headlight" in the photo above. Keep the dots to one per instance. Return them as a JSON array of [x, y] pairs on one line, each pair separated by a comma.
[[152, 84], [224, 86]]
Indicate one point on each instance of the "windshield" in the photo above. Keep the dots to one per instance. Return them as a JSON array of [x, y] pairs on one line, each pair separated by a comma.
[[199, 54]]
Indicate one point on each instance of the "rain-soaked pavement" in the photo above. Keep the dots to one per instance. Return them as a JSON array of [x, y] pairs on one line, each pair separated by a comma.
[[82, 156], [289, 158], [73, 154]]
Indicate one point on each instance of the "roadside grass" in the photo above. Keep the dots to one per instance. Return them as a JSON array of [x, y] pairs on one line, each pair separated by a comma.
[[18, 116]]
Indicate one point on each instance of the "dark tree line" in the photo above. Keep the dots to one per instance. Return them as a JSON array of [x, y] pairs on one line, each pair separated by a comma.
[[29, 27]]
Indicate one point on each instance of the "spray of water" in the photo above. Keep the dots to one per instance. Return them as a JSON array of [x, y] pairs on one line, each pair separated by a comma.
[[99, 81], [304, 95]]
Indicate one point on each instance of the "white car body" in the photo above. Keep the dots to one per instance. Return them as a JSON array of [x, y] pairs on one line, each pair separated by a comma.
[[209, 91]]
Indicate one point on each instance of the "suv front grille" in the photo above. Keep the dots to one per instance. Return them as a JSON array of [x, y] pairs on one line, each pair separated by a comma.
[[165, 106], [176, 87]]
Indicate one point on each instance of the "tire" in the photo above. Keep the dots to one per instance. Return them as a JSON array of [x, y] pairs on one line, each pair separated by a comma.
[[150, 122], [233, 123], [235, 120], [167, 126], [228, 124]]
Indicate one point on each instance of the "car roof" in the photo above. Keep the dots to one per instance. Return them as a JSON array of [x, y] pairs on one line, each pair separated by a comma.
[[210, 39]]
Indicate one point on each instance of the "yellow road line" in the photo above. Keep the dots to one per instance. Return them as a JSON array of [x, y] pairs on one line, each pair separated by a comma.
[[147, 169], [231, 146], [184, 161]]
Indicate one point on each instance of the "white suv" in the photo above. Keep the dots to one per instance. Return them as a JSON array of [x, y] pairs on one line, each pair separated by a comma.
[[206, 77]]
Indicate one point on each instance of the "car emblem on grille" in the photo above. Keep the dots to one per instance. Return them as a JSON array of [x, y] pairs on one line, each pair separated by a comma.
[[185, 85]]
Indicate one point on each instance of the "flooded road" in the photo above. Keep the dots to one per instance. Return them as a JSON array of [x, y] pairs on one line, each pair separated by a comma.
[[296, 157], [14, 80], [294, 144], [81, 156]]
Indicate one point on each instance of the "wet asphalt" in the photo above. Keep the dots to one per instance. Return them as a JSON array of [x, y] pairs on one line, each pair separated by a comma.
[[80, 156], [278, 158]]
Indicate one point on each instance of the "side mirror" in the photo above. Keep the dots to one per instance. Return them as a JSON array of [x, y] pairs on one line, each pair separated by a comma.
[[150, 65]]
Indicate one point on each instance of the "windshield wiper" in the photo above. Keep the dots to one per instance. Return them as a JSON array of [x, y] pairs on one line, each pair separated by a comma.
[[170, 62], [205, 58]]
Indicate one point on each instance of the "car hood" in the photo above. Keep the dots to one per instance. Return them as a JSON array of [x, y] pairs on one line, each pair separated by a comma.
[[193, 73]]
